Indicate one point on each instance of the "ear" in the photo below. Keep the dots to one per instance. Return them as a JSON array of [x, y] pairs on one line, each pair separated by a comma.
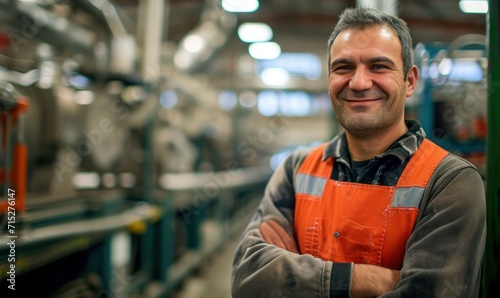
[[411, 81]]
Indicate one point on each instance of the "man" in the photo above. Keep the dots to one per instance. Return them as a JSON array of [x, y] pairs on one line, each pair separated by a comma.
[[379, 210]]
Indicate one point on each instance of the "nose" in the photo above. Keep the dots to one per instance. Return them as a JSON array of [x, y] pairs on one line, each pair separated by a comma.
[[360, 80]]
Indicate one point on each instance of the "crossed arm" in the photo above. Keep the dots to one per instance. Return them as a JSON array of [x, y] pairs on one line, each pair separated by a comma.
[[367, 280], [443, 254]]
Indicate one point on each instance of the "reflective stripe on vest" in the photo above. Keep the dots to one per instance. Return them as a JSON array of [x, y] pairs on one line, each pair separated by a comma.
[[360, 223]]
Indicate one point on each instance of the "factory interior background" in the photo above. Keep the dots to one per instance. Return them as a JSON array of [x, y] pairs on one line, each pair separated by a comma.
[[138, 136]]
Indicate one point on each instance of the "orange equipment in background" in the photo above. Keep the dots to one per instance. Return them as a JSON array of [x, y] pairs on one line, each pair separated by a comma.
[[13, 150]]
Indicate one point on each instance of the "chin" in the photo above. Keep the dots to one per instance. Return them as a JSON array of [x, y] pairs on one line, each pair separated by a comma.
[[361, 122]]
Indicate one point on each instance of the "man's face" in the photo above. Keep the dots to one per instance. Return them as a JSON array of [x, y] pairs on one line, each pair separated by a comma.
[[367, 85]]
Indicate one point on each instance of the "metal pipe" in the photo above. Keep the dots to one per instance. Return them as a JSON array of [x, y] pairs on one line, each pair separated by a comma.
[[214, 28], [108, 13], [231, 179], [154, 11], [33, 21], [140, 213]]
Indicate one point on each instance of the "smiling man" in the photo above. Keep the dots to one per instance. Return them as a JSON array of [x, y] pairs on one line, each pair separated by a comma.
[[379, 210]]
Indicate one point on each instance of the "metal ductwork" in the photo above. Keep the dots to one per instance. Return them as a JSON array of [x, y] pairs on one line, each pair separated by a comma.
[[123, 45], [199, 45], [29, 20]]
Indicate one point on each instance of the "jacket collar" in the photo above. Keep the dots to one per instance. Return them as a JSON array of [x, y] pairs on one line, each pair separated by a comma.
[[402, 148]]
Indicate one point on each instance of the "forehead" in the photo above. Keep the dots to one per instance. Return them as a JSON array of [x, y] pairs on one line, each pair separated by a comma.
[[378, 38]]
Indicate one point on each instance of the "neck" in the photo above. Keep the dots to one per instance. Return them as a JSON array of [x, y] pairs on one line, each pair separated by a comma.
[[366, 146]]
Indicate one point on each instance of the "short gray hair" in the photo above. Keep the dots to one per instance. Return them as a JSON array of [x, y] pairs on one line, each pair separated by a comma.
[[361, 18]]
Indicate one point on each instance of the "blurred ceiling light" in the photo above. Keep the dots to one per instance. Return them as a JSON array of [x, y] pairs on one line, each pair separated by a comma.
[[255, 32], [433, 70], [168, 99], [264, 50], [466, 70], [248, 98], [194, 43], [445, 66], [228, 100], [275, 76], [301, 65], [473, 6], [240, 5], [86, 180], [268, 103]]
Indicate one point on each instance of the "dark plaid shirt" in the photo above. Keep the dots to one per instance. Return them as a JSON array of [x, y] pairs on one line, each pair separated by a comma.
[[384, 169]]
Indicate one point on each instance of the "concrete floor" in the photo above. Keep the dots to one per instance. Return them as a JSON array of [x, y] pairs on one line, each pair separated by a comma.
[[214, 277]]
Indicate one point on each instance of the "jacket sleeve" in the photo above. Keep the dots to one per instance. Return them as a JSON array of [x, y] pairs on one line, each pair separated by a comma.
[[444, 253], [264, 270]]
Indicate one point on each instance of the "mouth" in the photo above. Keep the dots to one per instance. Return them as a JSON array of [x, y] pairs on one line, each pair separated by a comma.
[[361, 104], [362, 100], [359, 97], [359, 101]]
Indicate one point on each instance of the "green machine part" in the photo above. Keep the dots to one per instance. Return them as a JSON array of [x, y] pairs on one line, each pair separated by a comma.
[[491, 268]]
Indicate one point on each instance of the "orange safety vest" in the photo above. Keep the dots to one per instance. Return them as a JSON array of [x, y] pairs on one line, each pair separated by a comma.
[[360, 223]]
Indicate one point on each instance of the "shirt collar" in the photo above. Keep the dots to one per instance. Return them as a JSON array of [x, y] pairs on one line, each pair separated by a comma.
[[402, 148]]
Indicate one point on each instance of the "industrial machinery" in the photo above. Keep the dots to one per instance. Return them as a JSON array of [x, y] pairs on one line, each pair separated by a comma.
[[75, 65], [13, 150], [120, 185], [450, 100]]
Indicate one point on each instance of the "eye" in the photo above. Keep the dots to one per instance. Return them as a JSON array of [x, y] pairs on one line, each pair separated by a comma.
[[342, 68], [379, 66]]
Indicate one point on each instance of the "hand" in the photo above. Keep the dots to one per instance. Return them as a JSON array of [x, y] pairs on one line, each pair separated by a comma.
[[274, 234], [373, 281]]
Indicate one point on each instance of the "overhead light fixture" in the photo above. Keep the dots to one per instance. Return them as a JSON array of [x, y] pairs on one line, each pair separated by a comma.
[[264, 50], [240, 5], [275, 77], [255, 32], [473, 6]]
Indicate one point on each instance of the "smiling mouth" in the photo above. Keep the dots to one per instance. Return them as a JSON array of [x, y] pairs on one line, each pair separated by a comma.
[[364, 96], [361, 100]]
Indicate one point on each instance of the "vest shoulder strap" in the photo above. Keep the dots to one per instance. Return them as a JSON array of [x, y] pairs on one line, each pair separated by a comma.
[[422, 165], [314, 165]]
